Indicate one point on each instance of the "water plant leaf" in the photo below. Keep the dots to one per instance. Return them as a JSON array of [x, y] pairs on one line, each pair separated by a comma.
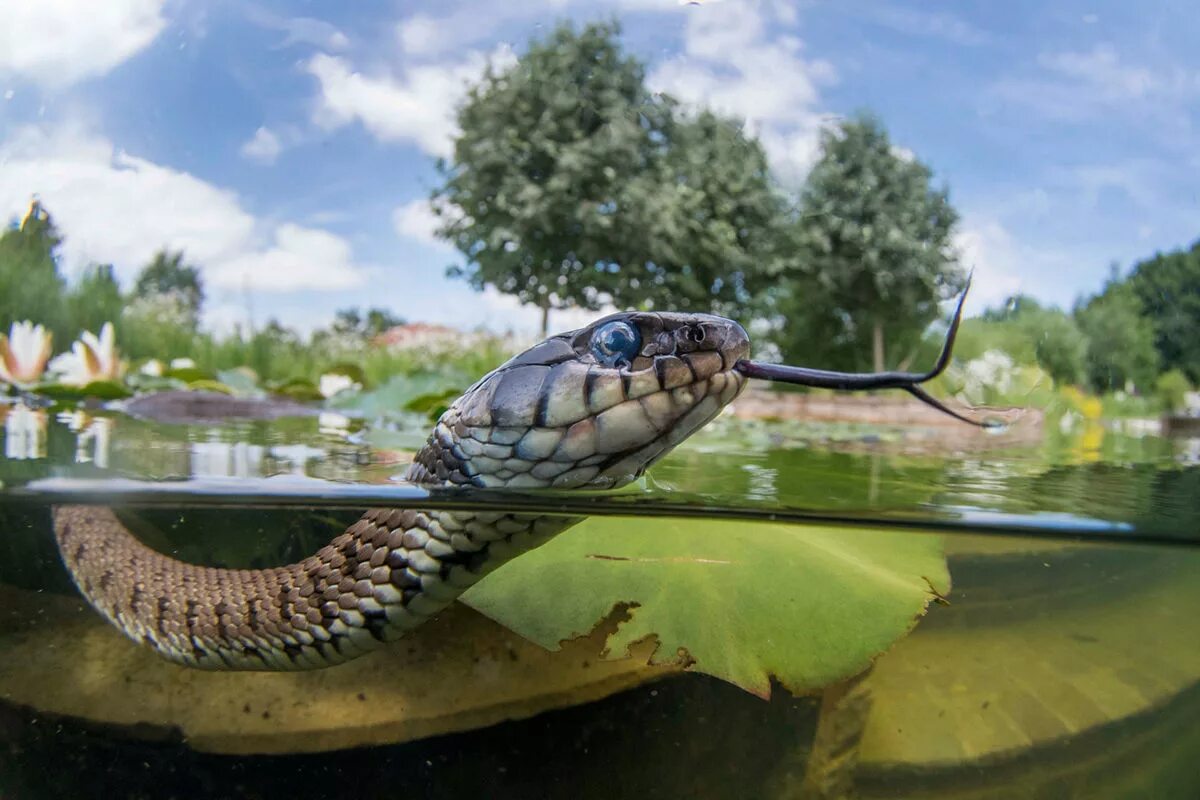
[[297, 389], [432, 404], [189, 375], [102, 390], [210, 385], [745, 602], [242, 380]]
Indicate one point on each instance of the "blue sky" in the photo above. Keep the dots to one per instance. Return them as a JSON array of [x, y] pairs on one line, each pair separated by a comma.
[[288, 148]]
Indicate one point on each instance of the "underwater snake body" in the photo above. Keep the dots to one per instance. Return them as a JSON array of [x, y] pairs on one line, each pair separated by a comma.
[[588, 409]]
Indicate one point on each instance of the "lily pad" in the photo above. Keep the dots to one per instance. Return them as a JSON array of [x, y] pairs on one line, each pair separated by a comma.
[[102, 390], [189, 374], [745, 602]]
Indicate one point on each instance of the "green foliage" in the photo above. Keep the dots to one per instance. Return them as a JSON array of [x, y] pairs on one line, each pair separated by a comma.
[[167, 274], [572, 183], [1120, 339], [1031, 334], [30, 284], [1168, 286], [1171, 388], [95, 299], [715, 218], [872, 252], [157, 326], [746, 603]]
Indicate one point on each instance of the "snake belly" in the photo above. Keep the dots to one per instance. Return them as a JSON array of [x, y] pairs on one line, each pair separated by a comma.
[[591, 409]]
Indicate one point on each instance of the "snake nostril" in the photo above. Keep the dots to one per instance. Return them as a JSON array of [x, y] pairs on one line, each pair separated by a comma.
[[695, 333]]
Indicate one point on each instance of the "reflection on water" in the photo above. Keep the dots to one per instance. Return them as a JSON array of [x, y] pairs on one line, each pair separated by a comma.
[[1061, 664]]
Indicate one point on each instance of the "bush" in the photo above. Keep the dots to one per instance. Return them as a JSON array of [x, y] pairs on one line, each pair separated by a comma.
[[1171, 389]]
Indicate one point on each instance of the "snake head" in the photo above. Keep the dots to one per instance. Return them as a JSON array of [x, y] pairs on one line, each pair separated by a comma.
[[590, 408]]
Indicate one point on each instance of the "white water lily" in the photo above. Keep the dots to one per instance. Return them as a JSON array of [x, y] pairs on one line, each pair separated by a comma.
[[23, 353], [182, 363], [92, 358], [332, 383], [153, 368]]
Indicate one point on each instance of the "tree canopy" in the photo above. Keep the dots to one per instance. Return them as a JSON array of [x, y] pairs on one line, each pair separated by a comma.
[[873, 254], [30, 284], [168, 274], [1168, 287], [571, 184]]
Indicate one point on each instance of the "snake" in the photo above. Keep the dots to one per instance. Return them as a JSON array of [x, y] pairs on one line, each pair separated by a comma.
[[590, 409]]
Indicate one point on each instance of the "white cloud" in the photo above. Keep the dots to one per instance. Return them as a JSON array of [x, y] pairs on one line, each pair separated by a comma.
[[934, 25], [1103, 69], [117, 208], [301, 258], [1077, 86], [59, 42], [1005, 265], [987, 248], [731, 64], [264, 147], [415, 220], [417, 106]]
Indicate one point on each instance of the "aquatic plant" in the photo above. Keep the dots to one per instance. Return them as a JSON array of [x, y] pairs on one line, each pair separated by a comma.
[[23, 353], [92, 359]]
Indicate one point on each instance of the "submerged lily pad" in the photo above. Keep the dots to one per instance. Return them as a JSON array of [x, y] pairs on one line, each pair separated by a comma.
[[745, 602]]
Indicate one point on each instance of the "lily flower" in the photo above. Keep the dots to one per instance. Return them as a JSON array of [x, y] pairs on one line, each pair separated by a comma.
[[92, 358], [23, 353], [332, 383]]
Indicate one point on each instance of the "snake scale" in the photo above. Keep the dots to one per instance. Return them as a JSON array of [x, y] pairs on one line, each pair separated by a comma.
[[591, 409]]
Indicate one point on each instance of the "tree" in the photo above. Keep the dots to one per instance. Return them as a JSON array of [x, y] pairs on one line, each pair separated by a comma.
[[714, 215], [872, 252], [374, 322], [30, 284], [572, 184], [168, 274], [1168, 287], [1120, 339], [95, 298]]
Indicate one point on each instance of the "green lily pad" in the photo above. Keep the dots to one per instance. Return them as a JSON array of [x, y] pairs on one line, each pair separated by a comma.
[[102, 390], [433, 404], [242, 380], [745, 602], [209, 385], [297, 389], [189, 375]]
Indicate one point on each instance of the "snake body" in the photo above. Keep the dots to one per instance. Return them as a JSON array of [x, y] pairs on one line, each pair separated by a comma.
[[592, 408]]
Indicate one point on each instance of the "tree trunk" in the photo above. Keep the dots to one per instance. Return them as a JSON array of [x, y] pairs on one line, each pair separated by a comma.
[[877, 345], [545, 321]]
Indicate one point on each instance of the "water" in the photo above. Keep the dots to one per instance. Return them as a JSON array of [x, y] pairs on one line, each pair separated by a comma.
[[1063, 662]]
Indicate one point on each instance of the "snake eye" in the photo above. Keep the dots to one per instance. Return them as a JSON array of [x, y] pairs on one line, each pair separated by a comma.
[[616, 344]]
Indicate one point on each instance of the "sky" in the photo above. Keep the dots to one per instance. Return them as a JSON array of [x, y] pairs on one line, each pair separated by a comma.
[[289, 147]]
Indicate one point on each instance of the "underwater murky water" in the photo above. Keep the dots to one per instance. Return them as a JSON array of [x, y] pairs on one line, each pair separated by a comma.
[[1059, 655]]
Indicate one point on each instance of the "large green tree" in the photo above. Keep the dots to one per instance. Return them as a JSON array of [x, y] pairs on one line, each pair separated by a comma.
[[31, 286], [571, 184], [1168, 287], [872, 252], [713, 215]]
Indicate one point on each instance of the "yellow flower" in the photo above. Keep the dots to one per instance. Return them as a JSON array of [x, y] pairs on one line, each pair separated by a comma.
[[23, 353]]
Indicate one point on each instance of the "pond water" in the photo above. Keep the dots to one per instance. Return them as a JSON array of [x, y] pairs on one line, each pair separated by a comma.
[[1059, 655]]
